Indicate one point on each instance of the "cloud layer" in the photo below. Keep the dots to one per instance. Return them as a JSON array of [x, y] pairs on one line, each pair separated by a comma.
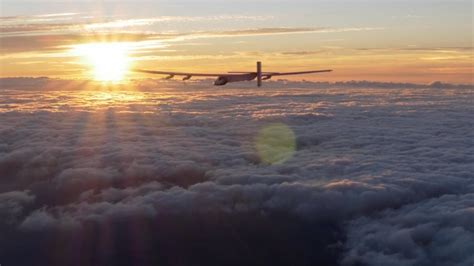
[[434, 232], [169, 173]]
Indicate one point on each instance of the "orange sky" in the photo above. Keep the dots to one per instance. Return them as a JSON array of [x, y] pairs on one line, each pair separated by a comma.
[[387, 42]]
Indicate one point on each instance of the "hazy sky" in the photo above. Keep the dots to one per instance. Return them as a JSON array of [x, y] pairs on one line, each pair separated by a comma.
[[413, 41]]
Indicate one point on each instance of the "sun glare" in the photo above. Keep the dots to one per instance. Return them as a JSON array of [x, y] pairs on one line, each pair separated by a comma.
[[109, 62]]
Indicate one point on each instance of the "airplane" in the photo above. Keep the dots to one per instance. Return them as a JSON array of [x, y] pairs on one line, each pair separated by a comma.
[[223, 79]]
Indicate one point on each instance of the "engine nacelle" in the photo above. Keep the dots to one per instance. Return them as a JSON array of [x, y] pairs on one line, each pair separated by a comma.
[[221, 81], [188, 77]]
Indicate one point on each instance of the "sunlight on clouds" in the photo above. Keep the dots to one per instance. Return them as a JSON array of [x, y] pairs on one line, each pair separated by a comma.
[[114, 97]]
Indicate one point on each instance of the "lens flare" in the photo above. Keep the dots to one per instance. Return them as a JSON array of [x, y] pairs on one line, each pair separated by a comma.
[[276, 143]]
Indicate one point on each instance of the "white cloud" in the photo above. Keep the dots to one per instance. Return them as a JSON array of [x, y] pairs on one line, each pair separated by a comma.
[[158, 159], [12, 205], [439, 231]]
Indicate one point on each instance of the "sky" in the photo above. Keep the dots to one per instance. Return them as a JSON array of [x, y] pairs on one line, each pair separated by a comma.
[[392, 40], [371, 164]]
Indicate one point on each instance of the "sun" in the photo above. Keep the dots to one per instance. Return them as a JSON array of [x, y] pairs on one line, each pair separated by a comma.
[[109, 62]]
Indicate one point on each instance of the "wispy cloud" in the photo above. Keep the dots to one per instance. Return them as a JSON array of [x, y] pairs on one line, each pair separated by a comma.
[[33, 17], [277, 31], [48, 41], [71, 22], [54, 15], [125, 23], [58, 42]]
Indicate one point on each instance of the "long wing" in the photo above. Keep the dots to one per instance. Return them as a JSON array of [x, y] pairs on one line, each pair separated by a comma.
[[284, 73], [180, 73], [297, 73]]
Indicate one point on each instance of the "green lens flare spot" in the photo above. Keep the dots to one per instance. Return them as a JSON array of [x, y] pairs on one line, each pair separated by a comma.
[[275, 143]]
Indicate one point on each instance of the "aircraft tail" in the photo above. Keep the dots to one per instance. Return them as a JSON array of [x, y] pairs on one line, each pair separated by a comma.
[[259, 74]]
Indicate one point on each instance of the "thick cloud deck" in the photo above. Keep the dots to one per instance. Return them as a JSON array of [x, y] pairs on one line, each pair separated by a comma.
[[169, 173], [438, 231]]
